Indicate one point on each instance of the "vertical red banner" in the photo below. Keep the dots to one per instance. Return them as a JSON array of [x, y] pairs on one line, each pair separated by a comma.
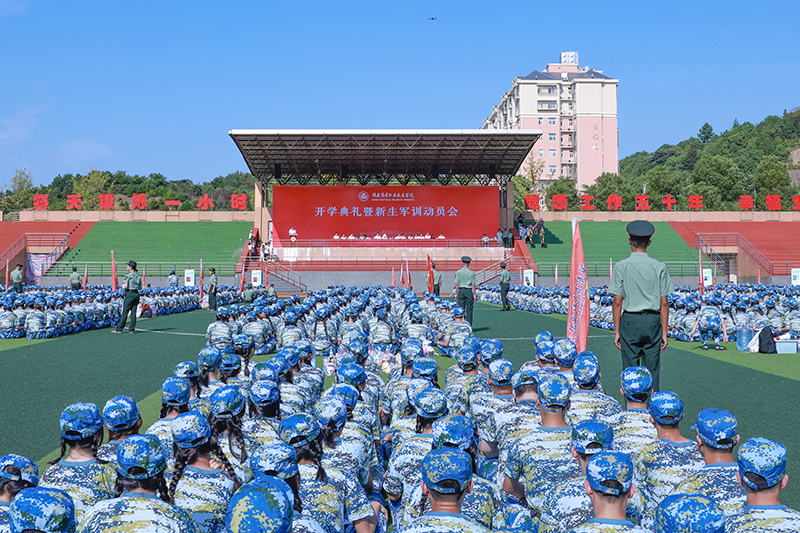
[[578, 312]]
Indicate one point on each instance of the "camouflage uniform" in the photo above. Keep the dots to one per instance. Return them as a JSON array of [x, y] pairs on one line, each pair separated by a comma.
[[632, 430], [292, 399], [137, 512], [108, 451], [717, 481], [229, 446], [591, 404], [607, 525], [87, 482], [763, 518], [162, 430], [350, 456], [438, 522], [205, 494], [333, 504], [403, 477], [219, 334], [509, 424], [259, 431], [482, 409]]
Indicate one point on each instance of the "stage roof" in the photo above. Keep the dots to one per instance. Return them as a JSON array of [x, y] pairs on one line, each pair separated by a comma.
[[382, 156]]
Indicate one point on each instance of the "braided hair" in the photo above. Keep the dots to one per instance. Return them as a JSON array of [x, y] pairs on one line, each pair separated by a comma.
[[312, 452], [233, 427], [272, 410], [10, 487], [155, 484], [294, 483], [188, 456], [90, 444], [166, 408]]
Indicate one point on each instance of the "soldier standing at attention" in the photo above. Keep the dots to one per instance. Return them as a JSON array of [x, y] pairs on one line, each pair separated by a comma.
[[16, 279], [75, 279], [466, 294], [131, 286], [640, 285], [212, 289], [505, 282], [437, 279], [172, 279]]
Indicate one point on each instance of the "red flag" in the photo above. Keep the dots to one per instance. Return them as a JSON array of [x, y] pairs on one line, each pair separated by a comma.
[[244, 279], [202, 276], [402, 275], [702, 279], [266, 278], [556, 274], [610, 269], [144, 275], [394, 281], [113, 272], [759, 275], [715, 276], [430, 273], [408, 273], [578, 313], [8, 272], [85, 275]]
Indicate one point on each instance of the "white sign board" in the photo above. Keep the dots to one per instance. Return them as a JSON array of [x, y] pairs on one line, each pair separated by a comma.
[[528, 278], [796, 276], [256, 278], [188, 278], [733, 278], [708, 277]]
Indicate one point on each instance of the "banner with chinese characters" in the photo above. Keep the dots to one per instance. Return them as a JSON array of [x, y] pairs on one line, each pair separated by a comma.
[[322, 212]]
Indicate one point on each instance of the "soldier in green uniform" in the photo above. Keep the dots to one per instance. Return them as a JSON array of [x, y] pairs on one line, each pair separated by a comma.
[[466, 294], [248, 295], [75, 279], [131, 286], [437, 279], [16, 279], [505, 282], [212, 289], [640, 286]]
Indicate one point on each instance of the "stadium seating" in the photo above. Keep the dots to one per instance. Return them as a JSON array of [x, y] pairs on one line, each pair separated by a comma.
[[776, 240], [11, 231]]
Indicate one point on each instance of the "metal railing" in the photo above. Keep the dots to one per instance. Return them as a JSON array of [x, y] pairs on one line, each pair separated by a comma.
[[53, 256], [379, 265], [280, 270], [152, 268], [12, 251], [706, 248], [771, 268], [59, 240], [600, 269], [389, 243]]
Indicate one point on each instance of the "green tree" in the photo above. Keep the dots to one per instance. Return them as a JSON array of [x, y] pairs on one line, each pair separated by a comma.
[[772, 177], [563, 185], [607, 184], [523, 184], [90, 187], [19, 194], [706, 133], [720, 173]]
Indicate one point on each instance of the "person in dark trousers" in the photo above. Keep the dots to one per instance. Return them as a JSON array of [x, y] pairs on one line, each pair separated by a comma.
[[75, 279], [505, 282], [640, 286], [212, 289], [16, 279], [131, 286], [437, 279], [466, 294]]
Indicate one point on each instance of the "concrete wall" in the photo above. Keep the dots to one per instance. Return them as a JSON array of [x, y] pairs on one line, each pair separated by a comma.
[[136, 216]]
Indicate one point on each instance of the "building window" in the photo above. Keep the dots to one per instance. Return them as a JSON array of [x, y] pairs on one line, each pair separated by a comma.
[[541, 121], [541, 153], [547, 106], [551, 137], [551, 121], [553, 153], [552, 169]]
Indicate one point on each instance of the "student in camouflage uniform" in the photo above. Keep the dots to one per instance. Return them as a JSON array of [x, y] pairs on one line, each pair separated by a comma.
[[172, 279], [446, 479], [80, 474], [762, 472], [141, 502], [227, 412], [16, 473], [661, 465], [43, 510], [609, 483], [716, 437], [482, 406], [633, 430], [261, 427], [690, 512], [36, 322], [196, 485], [174, 401], [455, 334], [588, 402], [121, 418], [131, 285]]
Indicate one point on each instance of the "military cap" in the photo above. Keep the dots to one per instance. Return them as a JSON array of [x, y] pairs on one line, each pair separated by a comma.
[[227, 401], [763, 457], [500, 372], [458, 312], [186, 369], [231, 362], [586, 369], [263, 371], [276, 457], [466, 358], [175, 391], [212, 269], [140, 451], [689, 513], [201, 406], [525, 376], [42, 509], [264, 392], [716, 428], [453, 430], [592, 432], [80, 420], [190, 430], [542, 336], [545, 351], [358, 347], [425, 367], [466, 259], [608, 465], [292, 355], [242, 340], [447, 464], [132, 263], [301, 426], [565, 352], [120, 413], [666, 407], [636, 380], [331, 412], [28, 471], [259, 506], [502, 264], [209, 358], [347, 393], [491, 350], [352, 374], [415, 387], [554, 392], [409, 352], [431, 403], [640, 228]]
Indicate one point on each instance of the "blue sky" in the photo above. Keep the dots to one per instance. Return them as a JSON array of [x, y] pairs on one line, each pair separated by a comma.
[[155, 86]]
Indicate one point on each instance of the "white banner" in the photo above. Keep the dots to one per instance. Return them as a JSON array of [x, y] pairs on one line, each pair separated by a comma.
[[188, 278], [796, 276], [256, 278]]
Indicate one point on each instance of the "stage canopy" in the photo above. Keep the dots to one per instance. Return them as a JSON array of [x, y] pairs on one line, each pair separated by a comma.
[[303, 157]]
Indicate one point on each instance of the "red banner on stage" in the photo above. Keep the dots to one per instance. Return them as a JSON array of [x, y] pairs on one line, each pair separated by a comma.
[[320, 212]]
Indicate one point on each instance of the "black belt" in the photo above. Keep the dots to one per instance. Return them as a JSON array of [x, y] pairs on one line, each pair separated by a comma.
[[465, 289], [645, 312], [133, 290]]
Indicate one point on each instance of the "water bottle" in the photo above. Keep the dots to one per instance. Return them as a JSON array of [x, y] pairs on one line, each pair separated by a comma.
[[744, 334]]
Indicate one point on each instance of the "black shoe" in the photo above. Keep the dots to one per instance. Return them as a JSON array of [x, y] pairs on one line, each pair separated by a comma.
[[705, 347], [720, 348]]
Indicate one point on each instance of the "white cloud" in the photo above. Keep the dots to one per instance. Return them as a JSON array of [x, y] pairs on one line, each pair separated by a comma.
[[83, 151], [10, 8], [19, 127]]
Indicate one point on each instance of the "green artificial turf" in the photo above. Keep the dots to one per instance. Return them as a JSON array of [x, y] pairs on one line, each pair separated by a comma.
[[42, 377]]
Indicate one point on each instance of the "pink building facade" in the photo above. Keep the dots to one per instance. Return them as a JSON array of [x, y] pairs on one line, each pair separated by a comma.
[[576, 110]]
